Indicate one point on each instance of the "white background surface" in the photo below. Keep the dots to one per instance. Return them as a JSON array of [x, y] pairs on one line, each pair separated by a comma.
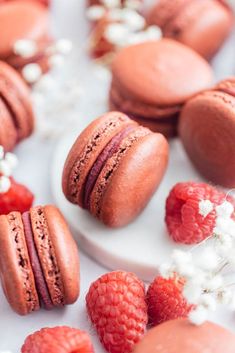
[[36, 157]]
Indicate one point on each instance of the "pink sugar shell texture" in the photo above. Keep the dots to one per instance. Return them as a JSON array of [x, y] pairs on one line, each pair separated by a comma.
[[207, 130], [39, 264], [180, 336], [110, 160], [194, 23], [153, 93]]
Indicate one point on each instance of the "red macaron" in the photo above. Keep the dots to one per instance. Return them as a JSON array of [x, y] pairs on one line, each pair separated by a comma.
[[114, 157], [16, 113], [31, 22], [207, 130], [39, 264], [202, 25], [151, 81], [180, 336]]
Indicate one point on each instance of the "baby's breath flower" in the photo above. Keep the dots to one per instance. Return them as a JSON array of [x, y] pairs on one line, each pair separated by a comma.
[[199, 315]]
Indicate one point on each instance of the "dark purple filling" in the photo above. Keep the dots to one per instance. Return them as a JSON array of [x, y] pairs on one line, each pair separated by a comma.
[[108, 151], [40, 281]]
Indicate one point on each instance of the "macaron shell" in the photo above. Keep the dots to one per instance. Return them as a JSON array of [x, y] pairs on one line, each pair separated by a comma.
[[16, 95], [8, 134], [207, 130], [66, 253], [15, 270], [160, 72], [47, 255], [30, 19], [86, 150], [200, 21], [180, 336], [115, 209], [166, 126]]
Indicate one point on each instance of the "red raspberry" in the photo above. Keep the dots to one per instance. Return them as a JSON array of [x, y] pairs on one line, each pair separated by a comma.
[[183, 220], [58, 340], [117, 308], [166, 301], [18, 198]]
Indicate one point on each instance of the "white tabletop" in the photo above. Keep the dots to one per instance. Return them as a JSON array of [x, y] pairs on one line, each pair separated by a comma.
[[35, 157]]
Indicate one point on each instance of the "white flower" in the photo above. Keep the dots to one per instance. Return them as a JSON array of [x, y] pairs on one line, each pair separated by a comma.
[[199, 315], [192, 292], [63, 46], [207, 259], [225, 210], [166, 270], [133, 4], [153, 33], [111, 3], [25, 48], [133, 20], [95, 13], [208, 301], [5, 184], [205, 207], [56, 60], [32, 73], [214, 283], [5, 168], [225, 296], [117, 34], [11, 159]]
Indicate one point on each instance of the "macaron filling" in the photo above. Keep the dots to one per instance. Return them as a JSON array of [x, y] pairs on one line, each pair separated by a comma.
[[40, 281], [110, 149]]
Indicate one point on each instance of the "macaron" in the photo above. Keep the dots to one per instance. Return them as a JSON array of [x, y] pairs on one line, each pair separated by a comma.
[[112, 158], [201, 25], [207, 130], [151, 81], [39, 264], [31, 23], [16, 113], [180, 336]]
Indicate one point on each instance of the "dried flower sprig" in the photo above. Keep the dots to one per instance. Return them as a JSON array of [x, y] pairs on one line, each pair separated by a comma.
[[119, 25], [207, 283], [8, 162], [56, 52]]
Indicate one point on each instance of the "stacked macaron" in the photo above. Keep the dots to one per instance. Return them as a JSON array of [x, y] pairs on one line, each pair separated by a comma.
[[109, 160], [202, 25], [207, 130], [151, 81], [16, 114], [31, 26], [39, 263]]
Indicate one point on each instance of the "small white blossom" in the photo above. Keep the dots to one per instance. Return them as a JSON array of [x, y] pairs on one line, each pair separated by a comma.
[[153, 33], [225, 296], [207, 259], [208, 301], [25, 48], [192, 292], [225, 210], [11, 159], [95, 13], [133, 4], [5, 184], [63, 46], [111, 3], [5, 168], [214, 283], [199, 315], [32, 73], [205, 207], [116, 34], [56, 60], [133, 20]]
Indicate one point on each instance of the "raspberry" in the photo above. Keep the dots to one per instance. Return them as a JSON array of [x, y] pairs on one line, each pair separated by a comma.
[[58, 340], [18, 198], [184, 222], [117, 308], [166, 301]]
